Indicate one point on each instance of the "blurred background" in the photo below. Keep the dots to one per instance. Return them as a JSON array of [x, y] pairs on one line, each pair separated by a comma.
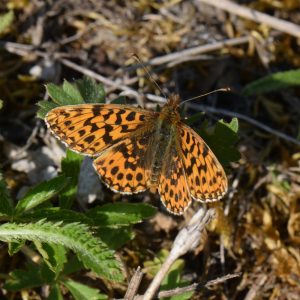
[[190, 48]]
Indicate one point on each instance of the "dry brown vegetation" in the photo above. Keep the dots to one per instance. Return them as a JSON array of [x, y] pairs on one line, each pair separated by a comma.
[[256, 231]]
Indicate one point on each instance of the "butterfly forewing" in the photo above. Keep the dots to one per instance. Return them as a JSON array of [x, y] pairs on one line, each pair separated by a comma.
[[205, 175], [123, 167], [91, 128]]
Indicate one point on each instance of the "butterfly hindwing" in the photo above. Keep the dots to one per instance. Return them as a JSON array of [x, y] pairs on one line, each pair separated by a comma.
[[173, 188], [123, 167], [205, 176]]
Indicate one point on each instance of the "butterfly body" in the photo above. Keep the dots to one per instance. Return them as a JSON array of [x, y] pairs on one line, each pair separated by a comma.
[[137, 149]]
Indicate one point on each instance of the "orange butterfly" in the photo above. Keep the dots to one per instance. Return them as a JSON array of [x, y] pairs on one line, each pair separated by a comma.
[[137, 149]]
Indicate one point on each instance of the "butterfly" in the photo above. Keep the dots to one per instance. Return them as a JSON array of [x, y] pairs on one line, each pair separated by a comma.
[[136, 149]]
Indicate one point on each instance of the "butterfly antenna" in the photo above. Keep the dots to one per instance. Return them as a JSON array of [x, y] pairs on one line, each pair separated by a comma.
[[206, 94], [136, 57]]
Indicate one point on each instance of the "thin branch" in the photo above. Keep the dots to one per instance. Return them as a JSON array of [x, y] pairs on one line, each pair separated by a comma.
[[256, 16], [172, 57], [232, 114], [197, 286], [246, 119]]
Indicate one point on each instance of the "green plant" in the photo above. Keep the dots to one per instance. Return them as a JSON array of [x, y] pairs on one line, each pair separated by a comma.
[[54, 231], [273, 82]]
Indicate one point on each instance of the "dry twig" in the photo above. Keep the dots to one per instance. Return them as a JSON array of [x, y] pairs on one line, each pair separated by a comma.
[[134, 284], [256, 16], [189, 53], [197, 286], [187, 239]]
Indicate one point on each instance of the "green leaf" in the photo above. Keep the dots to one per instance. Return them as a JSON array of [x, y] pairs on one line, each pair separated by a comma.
[[174, 280], [1, 104], [94, 254], [73, 92], [41, 193], [73, 265], [6, 202], [14, 247], [274, 82], [120, 214], [83, 292], [34, 276], [6, 20], [55, 293], [55, 214], [58, 95], [222, 140], [70, 167], [151, 267], [45, 106], [54, 256], [81, 91], [194, 118], [90, 91], [115, 237], [298, 135]]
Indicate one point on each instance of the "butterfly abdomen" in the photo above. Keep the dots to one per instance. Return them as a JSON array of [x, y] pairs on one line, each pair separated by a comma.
[[162, 142]]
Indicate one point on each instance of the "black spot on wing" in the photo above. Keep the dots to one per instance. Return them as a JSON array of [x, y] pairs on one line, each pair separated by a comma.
[[131, 116], [89, 139]]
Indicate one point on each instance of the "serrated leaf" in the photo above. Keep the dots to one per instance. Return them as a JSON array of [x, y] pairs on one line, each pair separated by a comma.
[[14, 247], [120, 214], [70, 167], [41, 193], [274, 82], [55, 214], [73, 92], [94, 254], [114, 235], [90, 91], [6, 20], [83, 292], [6, 202], [45, 107], [54, 256]]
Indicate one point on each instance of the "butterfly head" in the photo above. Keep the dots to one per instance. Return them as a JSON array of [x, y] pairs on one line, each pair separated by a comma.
[[173, 101], [170, 109]]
